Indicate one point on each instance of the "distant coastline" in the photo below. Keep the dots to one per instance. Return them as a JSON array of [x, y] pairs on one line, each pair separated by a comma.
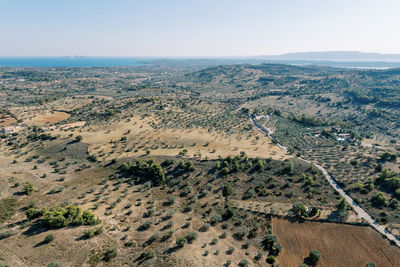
[[82, 61], [78, 61]]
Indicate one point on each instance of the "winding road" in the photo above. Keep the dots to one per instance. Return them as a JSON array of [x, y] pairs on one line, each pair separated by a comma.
[[360, 211]]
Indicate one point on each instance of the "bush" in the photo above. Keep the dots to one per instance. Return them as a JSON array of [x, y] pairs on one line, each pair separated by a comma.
[[48, 238], [241, 232], [54, 264], [88, 234], [147, 255], [191, 236], [299, 209], [33, 213], [29, 188], [314, 256], [146, 225], [216, 218], [230, 250], [204, 227], [228, 213], [110, 254], [379, 200], [6, 234], [226, 191], [370, 264], [58, 217], [271, 259], [271, 244], [180, 242], [225, 171], [243, 263]]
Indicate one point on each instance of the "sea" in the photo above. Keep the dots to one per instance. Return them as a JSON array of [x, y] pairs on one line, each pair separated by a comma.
[[69, 61]]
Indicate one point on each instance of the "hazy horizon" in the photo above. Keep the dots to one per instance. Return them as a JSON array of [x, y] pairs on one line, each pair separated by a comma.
[[187, 29]]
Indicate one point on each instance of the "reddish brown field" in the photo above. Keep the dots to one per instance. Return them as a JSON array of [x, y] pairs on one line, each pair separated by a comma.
[[340, 245], [49, 118]]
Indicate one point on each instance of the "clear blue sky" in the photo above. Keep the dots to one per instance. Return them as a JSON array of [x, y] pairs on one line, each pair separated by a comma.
[[196, 27]]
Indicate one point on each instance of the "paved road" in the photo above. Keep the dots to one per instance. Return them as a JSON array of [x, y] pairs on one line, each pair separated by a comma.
[[360, 211]]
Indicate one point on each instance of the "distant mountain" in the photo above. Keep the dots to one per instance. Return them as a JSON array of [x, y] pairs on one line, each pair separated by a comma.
[[340, 56]]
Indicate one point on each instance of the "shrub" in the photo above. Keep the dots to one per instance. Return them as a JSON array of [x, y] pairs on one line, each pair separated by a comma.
[[226, 191], [225, 171], [54, 264], [48, 238], [223, 235], [258, 256], [271, 259], [153, 238], [33, 213], [216, 218], [314, 256], [191, 236], [29, 188], [99, 231], [110, 254], [299, 209], [180, 242], [88, 234], [147, 255], [241, 232], [243, 263], [228, 213], [204, 227], [6, 234], [146, 225], [370, 264], [271, 244], [379, 200], [230, 250], [68, 215]]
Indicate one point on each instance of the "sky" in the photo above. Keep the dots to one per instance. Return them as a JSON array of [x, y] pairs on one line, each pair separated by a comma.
[[196, 28]]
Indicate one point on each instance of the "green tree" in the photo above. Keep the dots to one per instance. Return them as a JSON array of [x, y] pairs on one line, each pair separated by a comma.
[[314, 256], [226, 190], [379, 200], [299, 209], [271, 259], [48, 238], [180, 242]]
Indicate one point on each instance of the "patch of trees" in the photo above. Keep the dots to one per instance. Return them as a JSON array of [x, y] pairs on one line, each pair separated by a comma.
[[43, 137], [390, 181], [58, 217], [388, 157], [240, 163], [146, 171], [188, 166], [342, 213], [271, 244], [301, 210], [310, 121]]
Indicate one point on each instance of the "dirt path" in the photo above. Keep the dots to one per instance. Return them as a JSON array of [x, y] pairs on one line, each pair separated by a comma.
[[15, 258], [360, 211]]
